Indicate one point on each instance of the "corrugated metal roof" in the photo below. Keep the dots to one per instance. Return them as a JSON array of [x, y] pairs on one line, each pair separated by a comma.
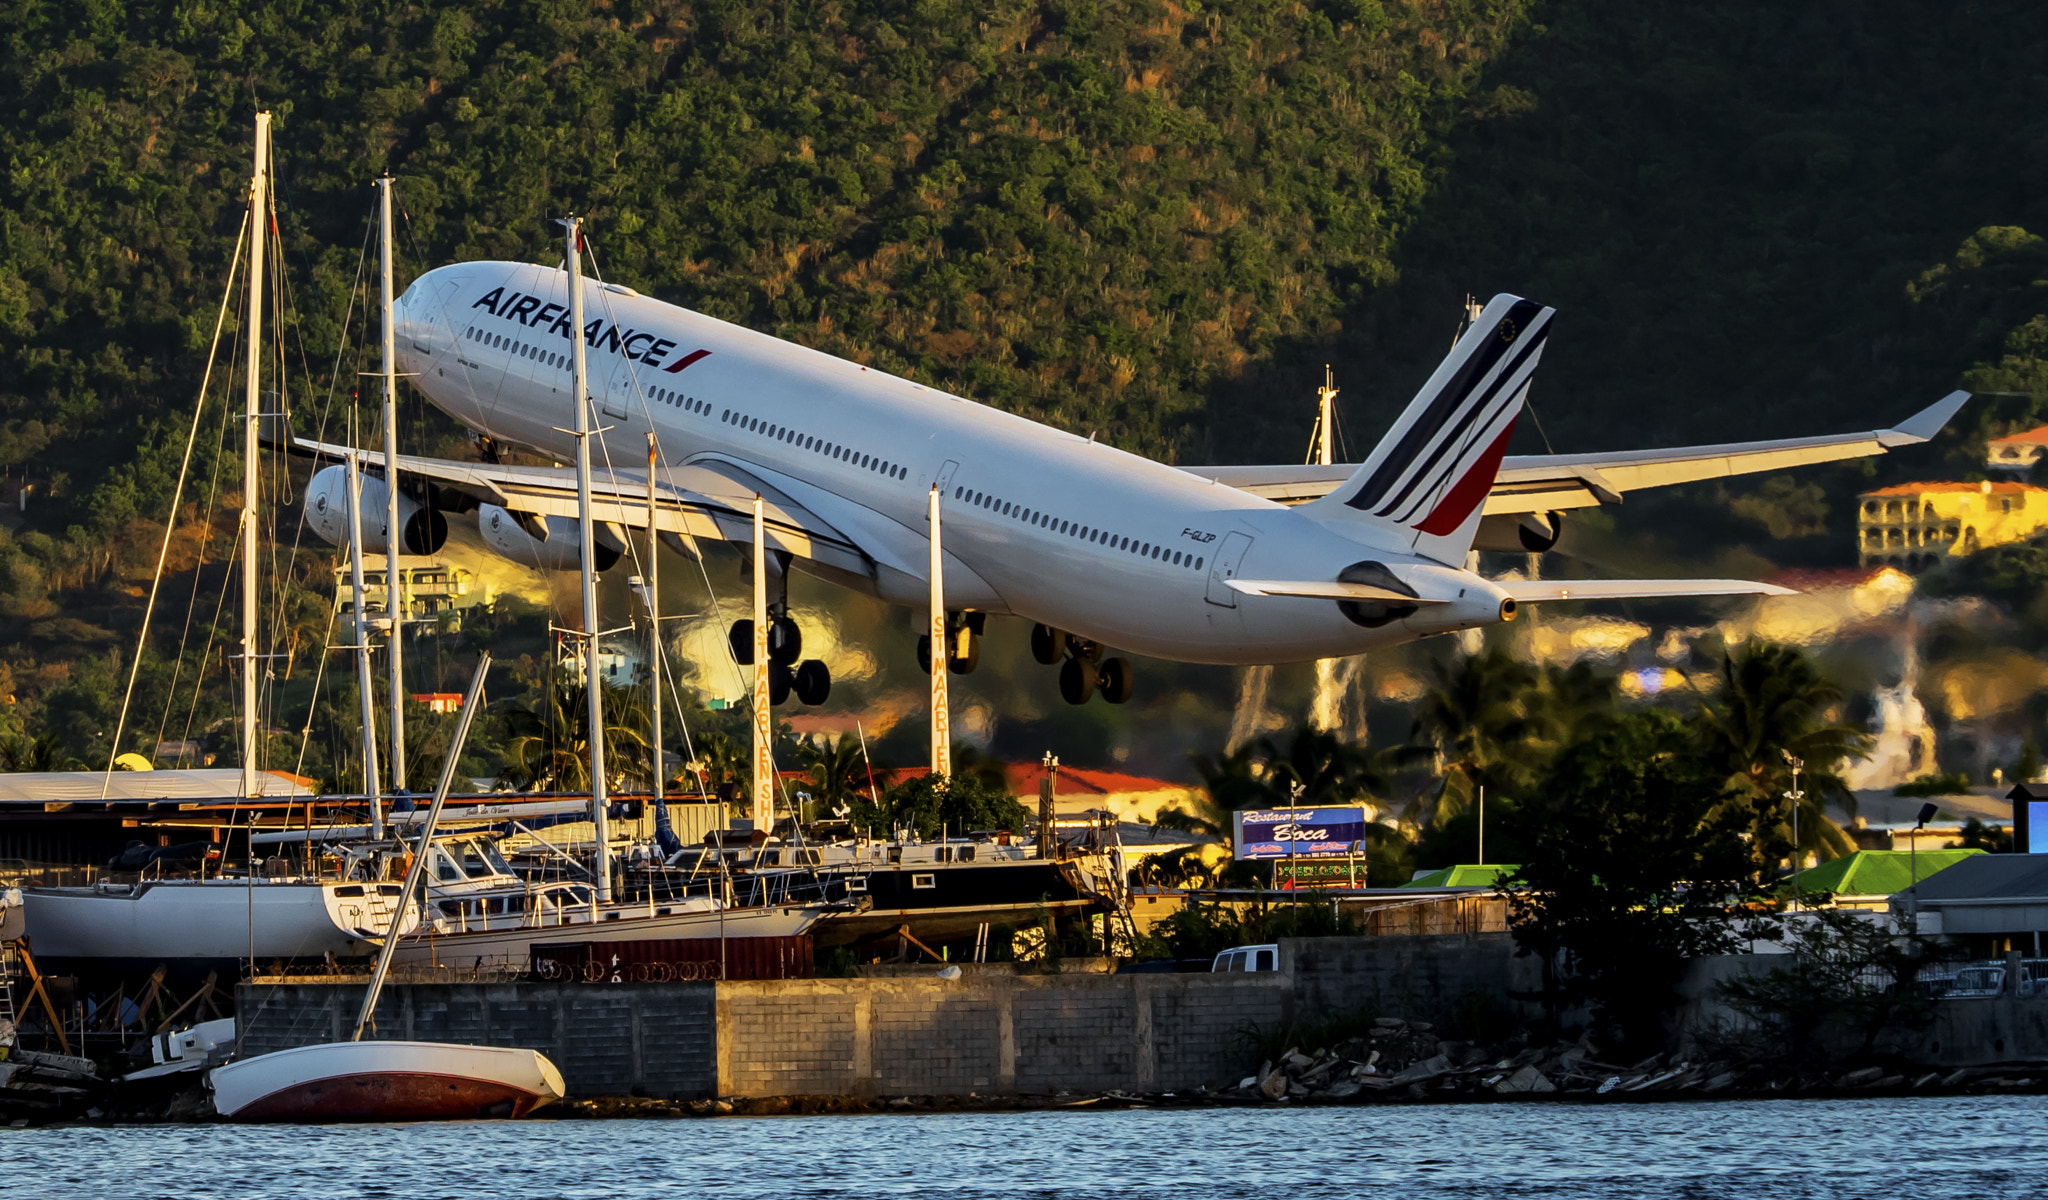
[[73, 787]]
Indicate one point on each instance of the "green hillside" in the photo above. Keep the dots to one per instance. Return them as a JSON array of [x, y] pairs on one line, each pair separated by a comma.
[[1156, 221]]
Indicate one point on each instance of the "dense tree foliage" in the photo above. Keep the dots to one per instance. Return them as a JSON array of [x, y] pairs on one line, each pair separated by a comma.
[[1150, 219]]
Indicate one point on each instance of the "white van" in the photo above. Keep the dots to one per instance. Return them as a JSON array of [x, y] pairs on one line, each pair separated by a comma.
[[1249, 958]]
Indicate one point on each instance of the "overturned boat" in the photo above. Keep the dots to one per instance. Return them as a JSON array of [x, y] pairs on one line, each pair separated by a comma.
[[385, 1081]]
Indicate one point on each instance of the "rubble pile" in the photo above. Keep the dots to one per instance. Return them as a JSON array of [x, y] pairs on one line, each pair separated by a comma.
[[1405, 1060]]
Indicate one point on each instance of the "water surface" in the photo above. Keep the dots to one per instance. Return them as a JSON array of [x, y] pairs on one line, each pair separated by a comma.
[[1898, 1149]]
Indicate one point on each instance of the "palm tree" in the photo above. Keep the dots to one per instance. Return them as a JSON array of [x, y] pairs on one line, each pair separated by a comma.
[[838, 776], [720, 764], [45, 753], [1775, 706], [1230, 782], [550, 737], [1482, 720]]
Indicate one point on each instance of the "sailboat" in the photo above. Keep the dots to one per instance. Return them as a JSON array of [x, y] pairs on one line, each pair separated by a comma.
[[357, 1080], [503, 930], [196, 924]]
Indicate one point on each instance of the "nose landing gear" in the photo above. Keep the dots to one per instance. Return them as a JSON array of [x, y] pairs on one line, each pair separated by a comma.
[[1084, 671]]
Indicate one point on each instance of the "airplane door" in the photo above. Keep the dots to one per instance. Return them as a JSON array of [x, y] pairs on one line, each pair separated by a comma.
[[1223, 568], [616, 396], [944, 479]]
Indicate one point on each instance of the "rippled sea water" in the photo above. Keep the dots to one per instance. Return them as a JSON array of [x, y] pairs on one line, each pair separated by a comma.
[[1973, 1147]]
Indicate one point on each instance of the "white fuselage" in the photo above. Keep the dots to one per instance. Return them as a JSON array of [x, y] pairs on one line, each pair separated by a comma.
[[1042, 524]]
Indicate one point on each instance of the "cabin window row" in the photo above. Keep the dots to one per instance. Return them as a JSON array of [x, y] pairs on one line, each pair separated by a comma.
[[1074, 529], [686, 403], [804, 441], [498, 341]]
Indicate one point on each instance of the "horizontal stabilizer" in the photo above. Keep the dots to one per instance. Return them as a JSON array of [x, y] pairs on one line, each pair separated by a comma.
[[1535, 591], [1322, 589]]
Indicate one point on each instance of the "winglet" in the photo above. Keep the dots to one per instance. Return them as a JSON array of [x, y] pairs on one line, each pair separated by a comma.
[[1924, 424]]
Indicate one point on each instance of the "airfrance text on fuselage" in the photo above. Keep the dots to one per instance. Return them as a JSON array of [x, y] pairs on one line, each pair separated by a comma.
[[535, 313]]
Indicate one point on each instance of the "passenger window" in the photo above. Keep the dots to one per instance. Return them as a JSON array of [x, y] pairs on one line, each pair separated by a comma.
[[924, 881], [1265, 961]]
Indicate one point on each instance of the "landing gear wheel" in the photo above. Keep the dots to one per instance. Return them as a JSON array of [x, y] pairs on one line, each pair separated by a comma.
[[1047, 646], [1077, 682], [813, 681], [924, 654], [1116, 680], [742, 639], [785, 641], [780, 678]]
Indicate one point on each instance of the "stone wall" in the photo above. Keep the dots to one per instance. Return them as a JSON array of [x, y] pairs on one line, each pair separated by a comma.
[[992, 1034]]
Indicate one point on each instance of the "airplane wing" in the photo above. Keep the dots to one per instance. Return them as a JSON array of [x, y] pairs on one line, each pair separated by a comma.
[[692, 502], [1540, 484], [1535, 591], [1521, 591]]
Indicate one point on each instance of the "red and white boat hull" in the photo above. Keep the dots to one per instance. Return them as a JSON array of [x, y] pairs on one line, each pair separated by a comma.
[[385, 1081]]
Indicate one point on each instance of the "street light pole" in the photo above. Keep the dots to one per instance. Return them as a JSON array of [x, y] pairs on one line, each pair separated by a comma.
[[1795, 796]]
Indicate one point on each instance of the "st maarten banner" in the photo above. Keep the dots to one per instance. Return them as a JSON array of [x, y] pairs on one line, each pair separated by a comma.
[[1299, 832]]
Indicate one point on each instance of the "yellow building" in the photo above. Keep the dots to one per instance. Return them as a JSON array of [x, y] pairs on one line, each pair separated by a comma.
[[1918, 525], [430, 586]]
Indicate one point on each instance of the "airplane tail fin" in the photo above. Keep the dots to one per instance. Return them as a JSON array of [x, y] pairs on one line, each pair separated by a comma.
[[1424, 486]]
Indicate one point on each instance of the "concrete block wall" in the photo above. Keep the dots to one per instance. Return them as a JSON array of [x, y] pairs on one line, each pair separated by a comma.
[[1421, 978], [636, 1039], [993, 1034], [842, 1037]]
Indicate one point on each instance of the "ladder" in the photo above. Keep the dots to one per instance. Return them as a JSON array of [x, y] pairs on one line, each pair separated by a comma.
[[10, 966]]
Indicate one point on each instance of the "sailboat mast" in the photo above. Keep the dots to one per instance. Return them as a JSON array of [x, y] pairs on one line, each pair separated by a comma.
[[364, 700], [586, 528], [259, 223], [394, 576], [654, 622]]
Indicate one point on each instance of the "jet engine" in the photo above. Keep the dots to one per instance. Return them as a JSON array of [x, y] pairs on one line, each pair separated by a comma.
[[425, 528], [1519, 533], [560, 550]]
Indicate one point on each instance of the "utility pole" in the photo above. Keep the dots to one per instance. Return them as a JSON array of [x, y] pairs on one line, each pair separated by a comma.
[[942, 734], [1795, 796], [1047, 788], [764, 710]]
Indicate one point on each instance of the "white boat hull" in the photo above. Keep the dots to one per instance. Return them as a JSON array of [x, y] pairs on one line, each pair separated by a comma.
[[385, 1081], [175, 920], [513, 948]]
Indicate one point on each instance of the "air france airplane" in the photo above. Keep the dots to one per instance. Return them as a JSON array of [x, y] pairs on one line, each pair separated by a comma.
[[1095, 546]]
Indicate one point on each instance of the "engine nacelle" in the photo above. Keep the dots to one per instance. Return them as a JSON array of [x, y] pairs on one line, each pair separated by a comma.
[[426, 529], [561, 550], [1519, 533]]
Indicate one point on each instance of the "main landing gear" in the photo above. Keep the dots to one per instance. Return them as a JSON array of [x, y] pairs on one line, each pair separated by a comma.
[[1084, 671], [809, 679], [963, 644]]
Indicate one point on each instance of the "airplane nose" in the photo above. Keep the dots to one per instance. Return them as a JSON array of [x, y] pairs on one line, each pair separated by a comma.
[[420, 335]]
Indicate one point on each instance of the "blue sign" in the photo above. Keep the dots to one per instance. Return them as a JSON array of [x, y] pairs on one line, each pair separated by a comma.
[[1300, 832]]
